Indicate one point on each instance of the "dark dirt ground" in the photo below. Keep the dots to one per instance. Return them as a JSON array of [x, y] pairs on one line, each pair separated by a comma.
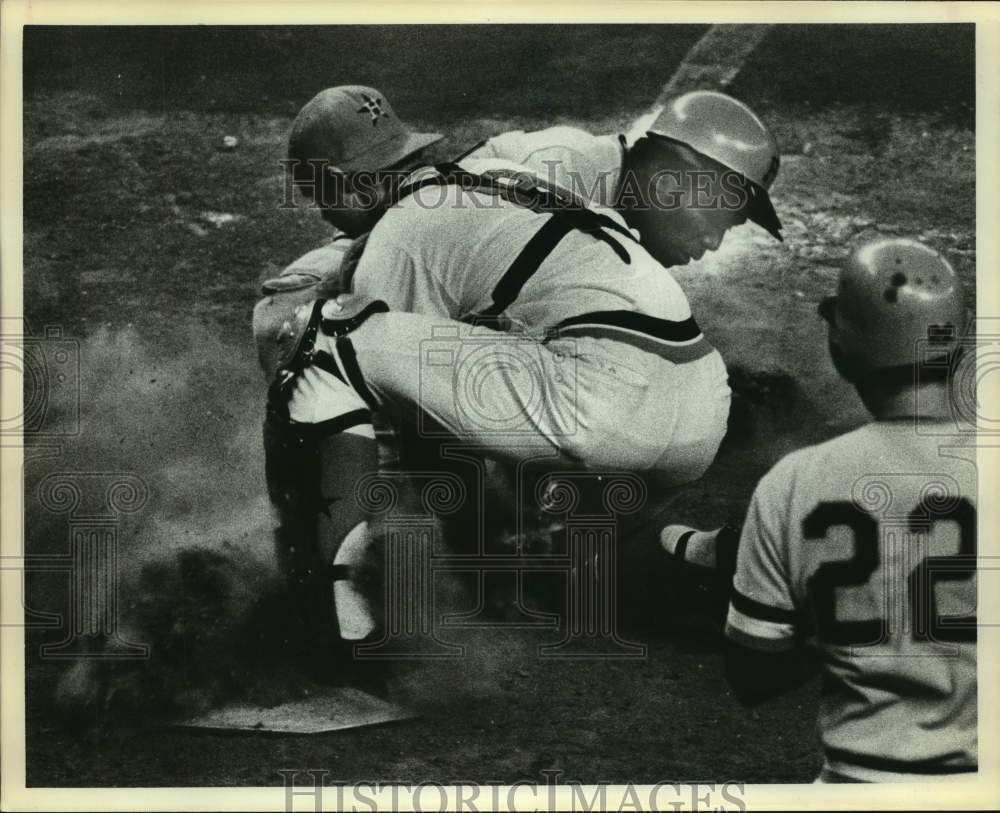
[[125, 251]]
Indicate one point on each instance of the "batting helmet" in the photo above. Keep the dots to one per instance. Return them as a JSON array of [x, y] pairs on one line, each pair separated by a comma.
[[727, 132], [896, 300], [354, 128]]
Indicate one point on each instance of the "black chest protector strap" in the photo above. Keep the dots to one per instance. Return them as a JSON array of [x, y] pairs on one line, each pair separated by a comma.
[[568, 213], [306, 354]]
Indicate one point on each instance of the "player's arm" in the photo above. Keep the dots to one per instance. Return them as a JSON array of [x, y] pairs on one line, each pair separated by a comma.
[[765, 652], [320, 446], [321, 532], [756, 675], [559, 156], [489, 148], [320, 264], [406, 272]]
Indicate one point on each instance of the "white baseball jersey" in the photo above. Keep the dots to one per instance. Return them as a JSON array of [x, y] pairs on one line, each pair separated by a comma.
[[587, 165], [423, 260], [868, 543], [627, 342]]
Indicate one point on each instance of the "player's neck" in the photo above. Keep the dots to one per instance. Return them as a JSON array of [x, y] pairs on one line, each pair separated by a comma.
[[929, 401]]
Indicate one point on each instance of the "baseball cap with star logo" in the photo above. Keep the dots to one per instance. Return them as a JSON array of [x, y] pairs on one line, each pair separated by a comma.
[[354, 128]]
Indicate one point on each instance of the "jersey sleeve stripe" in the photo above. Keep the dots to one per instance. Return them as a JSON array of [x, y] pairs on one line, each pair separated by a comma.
[[680, 332], [761, 644], [924, 767], [763, 612]]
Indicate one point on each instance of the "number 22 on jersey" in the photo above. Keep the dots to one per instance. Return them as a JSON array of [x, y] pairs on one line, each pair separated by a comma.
[[834, 583]]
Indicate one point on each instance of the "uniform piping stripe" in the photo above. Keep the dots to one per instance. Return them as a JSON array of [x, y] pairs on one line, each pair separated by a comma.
[[624, 330], [758, 642], [762, 612], [925, 766], [665, 329], [678, 354]]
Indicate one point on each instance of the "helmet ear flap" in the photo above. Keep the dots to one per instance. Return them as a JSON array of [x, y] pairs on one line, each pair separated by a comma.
[[842, 363]]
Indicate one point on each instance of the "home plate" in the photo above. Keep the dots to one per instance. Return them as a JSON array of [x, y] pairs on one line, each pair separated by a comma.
[[335, 710]]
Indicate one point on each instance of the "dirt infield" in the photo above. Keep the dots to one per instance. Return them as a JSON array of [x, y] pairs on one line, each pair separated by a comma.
[[147, 242]]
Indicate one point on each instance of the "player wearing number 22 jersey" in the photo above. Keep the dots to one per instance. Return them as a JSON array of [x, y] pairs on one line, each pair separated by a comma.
[[866, 544]]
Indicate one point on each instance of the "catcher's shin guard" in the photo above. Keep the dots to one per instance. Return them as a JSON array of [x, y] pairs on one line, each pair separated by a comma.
[[355, 616], [316, 454], [343, 536], [321, 535], [291, 464]]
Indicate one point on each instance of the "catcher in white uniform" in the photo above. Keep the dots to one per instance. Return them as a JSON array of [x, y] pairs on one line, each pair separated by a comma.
[[513, 316], [866, 544]]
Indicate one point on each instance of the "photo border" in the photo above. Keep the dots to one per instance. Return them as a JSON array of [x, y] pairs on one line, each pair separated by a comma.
[[981, 793]]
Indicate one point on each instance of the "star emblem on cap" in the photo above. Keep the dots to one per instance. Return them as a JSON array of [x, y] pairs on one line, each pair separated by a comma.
[[373, 107]]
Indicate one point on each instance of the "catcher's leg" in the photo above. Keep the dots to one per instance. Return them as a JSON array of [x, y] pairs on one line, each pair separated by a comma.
[[320, 532], [291, 466], [320, 444]]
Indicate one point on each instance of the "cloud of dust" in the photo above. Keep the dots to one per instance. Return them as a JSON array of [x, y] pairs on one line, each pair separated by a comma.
[[182, 415], [199, 582]]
